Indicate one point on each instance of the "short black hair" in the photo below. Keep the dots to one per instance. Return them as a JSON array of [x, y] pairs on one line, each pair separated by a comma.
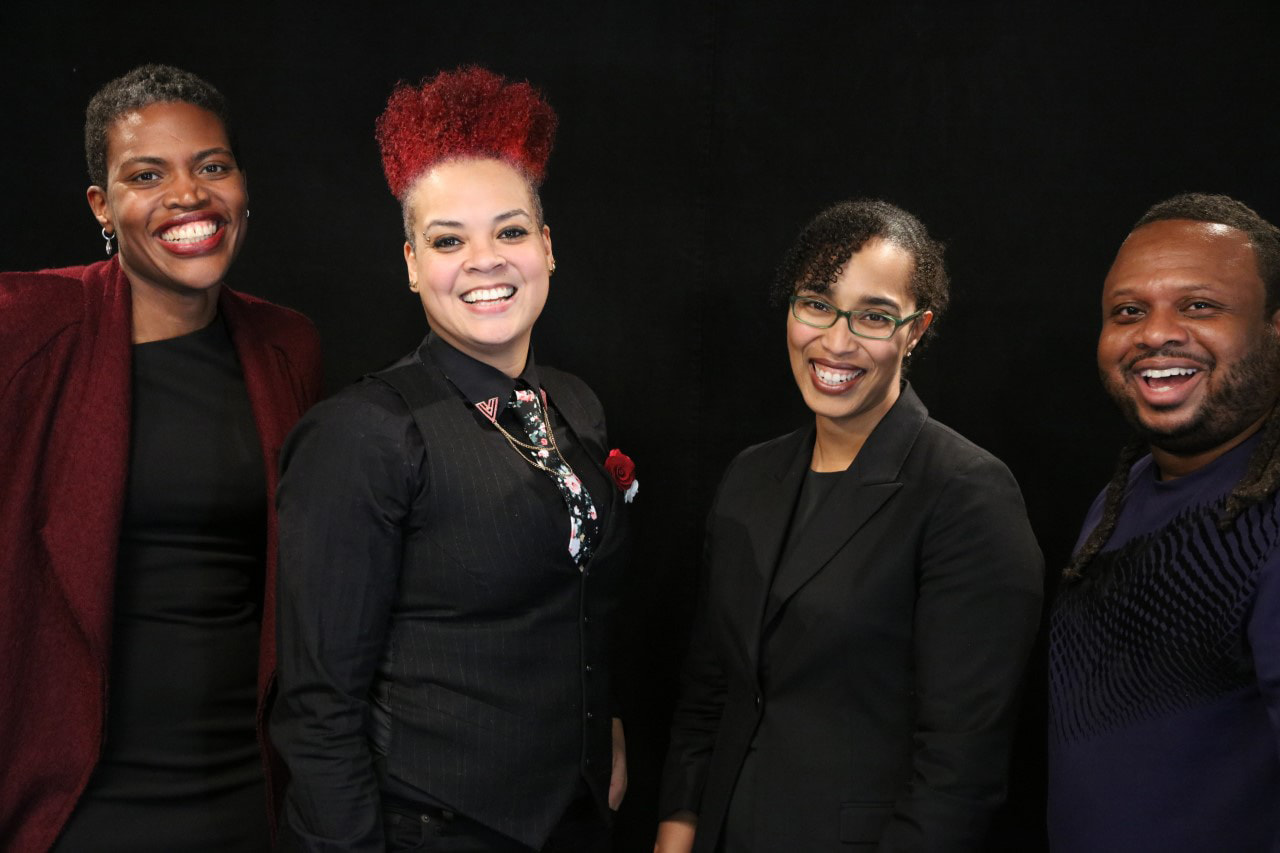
[[817, 257], [1225, 210], [141, 87]]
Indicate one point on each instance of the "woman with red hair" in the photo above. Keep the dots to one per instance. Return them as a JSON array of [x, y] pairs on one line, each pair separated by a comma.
[[450, 537]]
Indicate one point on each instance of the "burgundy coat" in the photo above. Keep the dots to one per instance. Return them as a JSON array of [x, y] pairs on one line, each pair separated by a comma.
[[65, 382]]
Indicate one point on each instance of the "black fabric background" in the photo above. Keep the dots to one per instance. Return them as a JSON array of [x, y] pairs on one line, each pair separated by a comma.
[[696, 138]]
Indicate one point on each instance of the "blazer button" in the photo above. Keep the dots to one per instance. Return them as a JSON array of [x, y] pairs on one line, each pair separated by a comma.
[[590, 716], [588, 669], [759, 700]]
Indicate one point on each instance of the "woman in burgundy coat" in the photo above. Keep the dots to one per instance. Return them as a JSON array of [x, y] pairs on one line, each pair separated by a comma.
[[142, 407]]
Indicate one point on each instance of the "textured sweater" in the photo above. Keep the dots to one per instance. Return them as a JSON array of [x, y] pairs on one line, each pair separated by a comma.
[[1165, 675]]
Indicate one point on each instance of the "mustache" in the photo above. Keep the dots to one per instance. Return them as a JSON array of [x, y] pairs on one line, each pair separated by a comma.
[[1170, 352]]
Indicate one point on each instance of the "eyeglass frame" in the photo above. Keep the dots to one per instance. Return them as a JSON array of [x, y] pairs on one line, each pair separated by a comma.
[[849, 315]]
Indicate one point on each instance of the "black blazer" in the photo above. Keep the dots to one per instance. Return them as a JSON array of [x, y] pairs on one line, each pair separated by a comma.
[[437, 642], [878, 681]]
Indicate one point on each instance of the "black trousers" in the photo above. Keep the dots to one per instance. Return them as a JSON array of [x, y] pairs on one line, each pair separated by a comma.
[[582, 829]]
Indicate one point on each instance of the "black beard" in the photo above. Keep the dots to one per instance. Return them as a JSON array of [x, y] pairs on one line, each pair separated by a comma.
[[1248, 391]]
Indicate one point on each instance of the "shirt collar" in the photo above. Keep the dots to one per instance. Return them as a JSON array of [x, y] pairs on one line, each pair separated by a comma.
[[478, 381]]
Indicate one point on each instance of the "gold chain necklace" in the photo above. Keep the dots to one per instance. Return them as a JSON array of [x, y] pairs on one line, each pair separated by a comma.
[[516, 443]]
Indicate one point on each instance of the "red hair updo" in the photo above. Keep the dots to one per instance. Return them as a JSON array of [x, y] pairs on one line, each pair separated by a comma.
[[470, 112]]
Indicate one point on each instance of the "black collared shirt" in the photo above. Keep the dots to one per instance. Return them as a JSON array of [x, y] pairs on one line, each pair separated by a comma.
[[353, 494], [475, 380], [478, 382]]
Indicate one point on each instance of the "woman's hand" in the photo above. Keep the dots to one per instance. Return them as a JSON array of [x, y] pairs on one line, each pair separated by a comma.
[[675, 834], [618, 776]]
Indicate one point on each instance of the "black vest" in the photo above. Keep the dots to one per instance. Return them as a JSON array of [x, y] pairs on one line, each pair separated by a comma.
[[493, 696]]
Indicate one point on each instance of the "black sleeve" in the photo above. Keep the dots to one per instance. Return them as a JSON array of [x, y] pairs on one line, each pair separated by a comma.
[[981, 581], [696, 719], [349, 474]]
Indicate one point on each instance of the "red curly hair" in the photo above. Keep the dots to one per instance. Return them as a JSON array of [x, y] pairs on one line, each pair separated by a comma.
[[470, 112]]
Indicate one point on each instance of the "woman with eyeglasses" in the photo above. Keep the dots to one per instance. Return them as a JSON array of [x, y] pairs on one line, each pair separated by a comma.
[[871, 587]]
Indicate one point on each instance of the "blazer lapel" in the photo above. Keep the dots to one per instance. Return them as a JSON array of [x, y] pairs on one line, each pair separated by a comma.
[[766, 516], [868, 483]]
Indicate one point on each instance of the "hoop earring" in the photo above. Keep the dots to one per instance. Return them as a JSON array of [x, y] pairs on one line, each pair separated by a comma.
[[108, 238]]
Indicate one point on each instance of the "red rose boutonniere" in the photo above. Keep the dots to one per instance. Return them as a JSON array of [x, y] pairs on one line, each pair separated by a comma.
[[623, 472]]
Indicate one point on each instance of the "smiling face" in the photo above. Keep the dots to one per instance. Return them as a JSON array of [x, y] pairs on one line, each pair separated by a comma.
[[849, 380], [481, 263], [175, 198], [1187, 350]]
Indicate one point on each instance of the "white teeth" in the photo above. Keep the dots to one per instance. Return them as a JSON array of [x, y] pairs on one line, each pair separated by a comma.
[[191, 232], [489, 294], [834, 377], [1169, 371]]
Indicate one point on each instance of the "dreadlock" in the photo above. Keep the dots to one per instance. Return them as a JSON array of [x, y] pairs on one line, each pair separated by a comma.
[[1260, 480], [1262, 477], [1098, 537]]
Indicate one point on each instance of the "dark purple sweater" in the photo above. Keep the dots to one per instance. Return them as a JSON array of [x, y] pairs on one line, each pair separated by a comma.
[[1165, 675]]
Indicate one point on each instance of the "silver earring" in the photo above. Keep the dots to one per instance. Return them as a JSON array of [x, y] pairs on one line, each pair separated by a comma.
[[108, 238], [247, 211], [551, 269]]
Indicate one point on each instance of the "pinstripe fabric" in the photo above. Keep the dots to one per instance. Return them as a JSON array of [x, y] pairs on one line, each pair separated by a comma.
[[460, 670]]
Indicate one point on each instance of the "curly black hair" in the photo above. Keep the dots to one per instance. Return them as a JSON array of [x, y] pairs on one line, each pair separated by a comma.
[[1225, 210], [817, 257], [144, 85]]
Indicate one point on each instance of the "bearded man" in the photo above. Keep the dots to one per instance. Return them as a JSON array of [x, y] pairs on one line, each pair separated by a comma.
[[1165, 636]]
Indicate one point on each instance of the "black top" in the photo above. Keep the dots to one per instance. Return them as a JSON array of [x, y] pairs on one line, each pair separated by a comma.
[[477, 382], [438, 644], [180, 768], [814, 491]]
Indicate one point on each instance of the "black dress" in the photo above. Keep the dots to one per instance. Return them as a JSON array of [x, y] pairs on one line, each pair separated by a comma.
[[181, 767]]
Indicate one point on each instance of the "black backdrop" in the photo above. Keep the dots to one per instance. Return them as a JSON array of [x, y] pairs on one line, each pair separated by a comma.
[[696, 138]]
